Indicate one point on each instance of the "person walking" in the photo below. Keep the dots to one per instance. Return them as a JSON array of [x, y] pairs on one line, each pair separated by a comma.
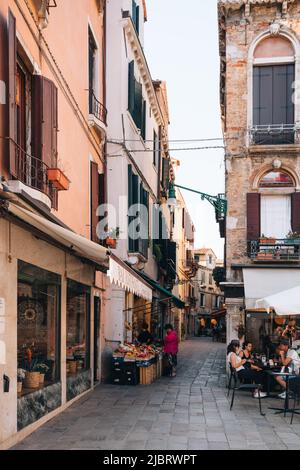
[[171, 348]]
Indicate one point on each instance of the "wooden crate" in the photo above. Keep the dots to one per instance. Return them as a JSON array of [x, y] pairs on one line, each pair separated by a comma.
[[146, 375]]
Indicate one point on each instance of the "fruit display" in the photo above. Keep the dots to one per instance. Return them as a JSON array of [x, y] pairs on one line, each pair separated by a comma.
[[133, 352]]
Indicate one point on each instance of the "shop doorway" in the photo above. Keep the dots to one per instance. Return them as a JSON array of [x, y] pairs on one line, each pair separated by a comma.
[[97, 326]]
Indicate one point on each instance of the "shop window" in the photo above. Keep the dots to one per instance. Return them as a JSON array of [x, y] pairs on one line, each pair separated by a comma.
[[78, 328], [38, 333]]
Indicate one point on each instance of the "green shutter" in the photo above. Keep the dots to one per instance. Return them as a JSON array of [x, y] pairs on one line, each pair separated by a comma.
[[144, 114], [138, 104], [131, 87], [130, 202], [137, 19]]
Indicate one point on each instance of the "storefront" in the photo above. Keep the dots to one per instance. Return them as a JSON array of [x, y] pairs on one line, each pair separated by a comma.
[[48, 293]]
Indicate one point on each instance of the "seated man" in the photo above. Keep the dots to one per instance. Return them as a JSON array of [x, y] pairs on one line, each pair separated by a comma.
[[288, 358]]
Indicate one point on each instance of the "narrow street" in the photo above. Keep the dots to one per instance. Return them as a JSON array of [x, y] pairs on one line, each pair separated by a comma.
[[190, 411]]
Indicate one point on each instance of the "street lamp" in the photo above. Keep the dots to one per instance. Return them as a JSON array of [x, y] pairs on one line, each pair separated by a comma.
[[219, 202]]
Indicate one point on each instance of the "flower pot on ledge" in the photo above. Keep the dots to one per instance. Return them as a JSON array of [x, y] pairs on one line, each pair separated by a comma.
[[267, 241], [58, 179], [111, 242]]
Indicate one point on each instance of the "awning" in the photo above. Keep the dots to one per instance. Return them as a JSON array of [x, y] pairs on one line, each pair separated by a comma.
[[167, 294], [284, 303], [79, 245], [125, 277], [262, 283]]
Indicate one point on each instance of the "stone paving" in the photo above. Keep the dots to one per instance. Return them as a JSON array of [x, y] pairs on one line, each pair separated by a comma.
[[189, 412]]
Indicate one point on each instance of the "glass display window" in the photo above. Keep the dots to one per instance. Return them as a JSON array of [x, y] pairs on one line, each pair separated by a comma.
[[38, 332], [78, 327]]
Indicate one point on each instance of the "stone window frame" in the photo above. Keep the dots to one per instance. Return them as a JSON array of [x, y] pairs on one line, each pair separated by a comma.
[[275, 190], [289, 35]]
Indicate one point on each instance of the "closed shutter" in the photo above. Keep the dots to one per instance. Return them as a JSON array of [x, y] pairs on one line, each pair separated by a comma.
[[138, 105], [145, 223], [253, 216], [165, 173], [12, 66], [44, 120], [131, 90], [172, 250], [94, 200], [296, 212], [272, 100], [133, 199], [144, 114], [137, 19]]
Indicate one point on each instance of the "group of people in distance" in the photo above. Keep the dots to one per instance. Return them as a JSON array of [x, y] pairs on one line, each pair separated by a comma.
[[242, 361]]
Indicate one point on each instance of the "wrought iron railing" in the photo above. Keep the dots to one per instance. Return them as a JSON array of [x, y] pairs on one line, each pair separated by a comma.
[[273, 134], [33, 172], [97, 108], [275, 250]]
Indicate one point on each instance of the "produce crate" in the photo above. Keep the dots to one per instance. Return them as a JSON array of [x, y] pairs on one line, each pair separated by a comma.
[[146, 375]]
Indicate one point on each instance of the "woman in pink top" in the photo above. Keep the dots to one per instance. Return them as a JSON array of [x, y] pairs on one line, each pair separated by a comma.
[[171, 348]]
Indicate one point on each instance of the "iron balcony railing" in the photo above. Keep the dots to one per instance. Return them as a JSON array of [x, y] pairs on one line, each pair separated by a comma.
[[97, 108], [274, 134], [275, 250], [33, 172]]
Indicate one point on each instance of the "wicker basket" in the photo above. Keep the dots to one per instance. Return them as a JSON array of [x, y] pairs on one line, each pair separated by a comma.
[[32, 380]]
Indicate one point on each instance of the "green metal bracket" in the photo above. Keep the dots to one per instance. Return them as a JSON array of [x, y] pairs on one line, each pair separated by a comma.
[[219, 202]]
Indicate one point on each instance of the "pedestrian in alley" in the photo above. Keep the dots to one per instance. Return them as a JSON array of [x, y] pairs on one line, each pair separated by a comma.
[[145, 337], [171, 348]]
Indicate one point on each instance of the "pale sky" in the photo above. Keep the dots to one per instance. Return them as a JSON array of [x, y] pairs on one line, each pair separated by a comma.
[[181, 46]]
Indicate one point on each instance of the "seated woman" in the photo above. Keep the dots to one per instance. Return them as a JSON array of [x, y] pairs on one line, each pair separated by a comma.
[[245, 374], [246, 353]]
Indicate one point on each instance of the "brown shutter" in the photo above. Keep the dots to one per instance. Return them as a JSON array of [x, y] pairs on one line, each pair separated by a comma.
[[94, 200], [12, 65], [253, 216], [296, 212], [44, 120]]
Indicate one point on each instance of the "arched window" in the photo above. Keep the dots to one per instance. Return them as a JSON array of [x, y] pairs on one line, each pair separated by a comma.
[[276, 179], [273, 79]]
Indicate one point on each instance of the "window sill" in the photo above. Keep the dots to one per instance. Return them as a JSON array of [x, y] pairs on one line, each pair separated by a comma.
[[271, 149]]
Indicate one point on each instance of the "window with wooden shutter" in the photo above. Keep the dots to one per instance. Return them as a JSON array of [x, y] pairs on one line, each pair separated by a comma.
[[12, 65], [94, 185], [131, 87], [144, 115], [133, 199], [165, 173], [296, 212], [253, 216], [273, 104], [136, 16], [44, 119]]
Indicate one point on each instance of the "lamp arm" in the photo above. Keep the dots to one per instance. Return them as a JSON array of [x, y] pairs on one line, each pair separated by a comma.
[[219, 202]]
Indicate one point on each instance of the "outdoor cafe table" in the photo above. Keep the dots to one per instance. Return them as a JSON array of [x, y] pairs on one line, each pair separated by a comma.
[[287, 375]]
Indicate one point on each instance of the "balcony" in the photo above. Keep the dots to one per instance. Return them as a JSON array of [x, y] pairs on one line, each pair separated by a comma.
[[33, 173], [274, 134], [276, 251], [97, 113]]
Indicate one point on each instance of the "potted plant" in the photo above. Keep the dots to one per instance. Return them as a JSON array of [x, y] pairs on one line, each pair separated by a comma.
[[267, 240], [42, 369], [20, 378], [32, 376], [157, 252], [292, 238], [111, 237]]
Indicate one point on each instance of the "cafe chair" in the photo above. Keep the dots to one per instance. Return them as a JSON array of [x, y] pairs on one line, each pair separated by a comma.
[[294, 388], [242, 386]]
